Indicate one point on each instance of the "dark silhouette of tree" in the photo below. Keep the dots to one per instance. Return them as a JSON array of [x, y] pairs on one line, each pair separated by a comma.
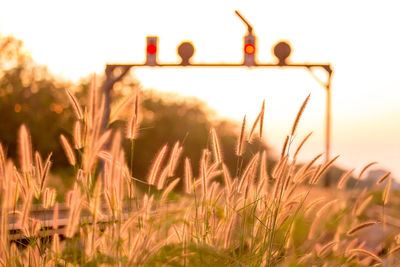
[[30, 95]]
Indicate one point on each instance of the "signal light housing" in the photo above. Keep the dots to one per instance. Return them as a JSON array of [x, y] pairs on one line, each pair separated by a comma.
[[151, 50], [249, 50]]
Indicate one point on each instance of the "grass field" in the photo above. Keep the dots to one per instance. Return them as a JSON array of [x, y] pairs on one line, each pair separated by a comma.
[[241, 217]]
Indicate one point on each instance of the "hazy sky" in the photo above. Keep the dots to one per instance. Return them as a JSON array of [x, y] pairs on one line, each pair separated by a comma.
[[359, 38]]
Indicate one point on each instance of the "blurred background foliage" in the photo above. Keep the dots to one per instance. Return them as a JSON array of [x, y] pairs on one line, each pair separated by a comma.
[[31, 95]]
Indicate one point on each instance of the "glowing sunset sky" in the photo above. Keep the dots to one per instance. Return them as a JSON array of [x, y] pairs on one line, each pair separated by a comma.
[[359, 38]]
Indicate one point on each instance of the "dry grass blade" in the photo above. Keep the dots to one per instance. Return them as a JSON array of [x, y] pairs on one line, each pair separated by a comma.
[[162, 178], [68, 150], [301, 145], [74, 213], [216, 146], [55, 216], [78, 144], [92, 106], [240, 142], [362, 206], [188, 176], [358, 200], [383, 178], [227, 178], [323, 170], [174, 159], [26, 208], [45, 172], [75, 105], [25, 149], [360, 226], [156, 165], [284, 148], [38, 164], [132, 127], [365, 252], [262, 118], [263, 167], [249, 173], [323, 251], [2, 162], [394, 250], [120, 107], [344, 178], [298, 116], [254, 127], [91, 153], [49, 198], [325, 207], [386, 192], [169, 188], [203, 171], [365, 168]]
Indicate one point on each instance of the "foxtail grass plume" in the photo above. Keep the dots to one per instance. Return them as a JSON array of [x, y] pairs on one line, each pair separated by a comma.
[[262, 118], [344, 178], [284, 148], [365, 252], [216, 146], [240, 142], [78, 141], [360, 227], [323, 170], [174, 159], [386, 192], [188, 176], [92, 106], [75, 105], [132, 127], [151, 179], [365, 169], [383, 178], [25, 149], [301, 145], [298, 116], [68, 150], [360, 208], [120, 107], [258, 119], [168, 190]]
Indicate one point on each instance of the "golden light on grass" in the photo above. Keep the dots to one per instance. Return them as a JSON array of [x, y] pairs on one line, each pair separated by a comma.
[[151, 179], [240, 142], [188, 176], [298, 116], [78, 141], [361, 226], [68, 150], [221, 220], [75, 105], [386, 192], [25, 149], [361, 251], [344, 178], [383, 178], [216, 146], [365, 169]]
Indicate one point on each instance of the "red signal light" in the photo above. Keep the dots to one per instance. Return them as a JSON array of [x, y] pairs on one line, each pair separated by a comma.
[[249, 49], [151, 49]]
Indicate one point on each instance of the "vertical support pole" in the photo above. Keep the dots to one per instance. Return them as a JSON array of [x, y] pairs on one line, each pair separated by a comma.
[[106, 92], [106, 88], [328, 125]]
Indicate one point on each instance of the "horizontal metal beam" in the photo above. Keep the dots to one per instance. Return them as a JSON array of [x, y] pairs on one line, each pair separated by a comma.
[[326, 66]]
